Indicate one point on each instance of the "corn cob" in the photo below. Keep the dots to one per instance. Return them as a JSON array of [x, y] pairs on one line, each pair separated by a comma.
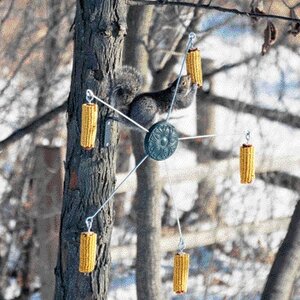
[[180, 273], [193, 66], [247, 167], [89, 117], [87, 252]]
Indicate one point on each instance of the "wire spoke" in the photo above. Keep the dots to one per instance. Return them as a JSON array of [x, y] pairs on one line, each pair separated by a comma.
[[91, 96], [208, 136], [89, 219]]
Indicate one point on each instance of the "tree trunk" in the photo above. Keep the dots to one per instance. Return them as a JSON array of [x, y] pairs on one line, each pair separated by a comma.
[[89, 175], [285, 268], [47, 187], [147, 207], [207, 202]]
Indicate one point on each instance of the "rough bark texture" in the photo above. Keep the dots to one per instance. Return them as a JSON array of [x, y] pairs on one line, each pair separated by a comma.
[[147, 207], [285, 268], [90, 175]]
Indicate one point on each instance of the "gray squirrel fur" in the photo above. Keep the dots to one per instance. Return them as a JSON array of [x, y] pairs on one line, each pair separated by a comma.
[[143, 108]]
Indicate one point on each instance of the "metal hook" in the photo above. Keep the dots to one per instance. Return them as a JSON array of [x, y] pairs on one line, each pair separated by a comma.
[[181, 245], [192, 37], [248, 136], [89, 96], [89, 223]]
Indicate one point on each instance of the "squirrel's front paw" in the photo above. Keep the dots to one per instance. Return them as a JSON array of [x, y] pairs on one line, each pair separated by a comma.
[[194, 86]]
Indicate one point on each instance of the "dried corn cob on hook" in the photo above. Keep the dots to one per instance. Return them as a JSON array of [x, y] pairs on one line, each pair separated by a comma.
[[87, 249], [89, 118], [193, 64], [247, 161], [181, 259], [180, 272], [181, 268], [88, 240]]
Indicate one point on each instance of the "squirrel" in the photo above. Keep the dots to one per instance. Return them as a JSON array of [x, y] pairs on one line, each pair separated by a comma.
[[143, 108]]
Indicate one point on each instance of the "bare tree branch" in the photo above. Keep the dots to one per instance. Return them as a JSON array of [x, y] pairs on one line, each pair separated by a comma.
[[270, 114], [282, 179], [32, 126], [6, 16], [228, 67], [214, 7], [164, 74]]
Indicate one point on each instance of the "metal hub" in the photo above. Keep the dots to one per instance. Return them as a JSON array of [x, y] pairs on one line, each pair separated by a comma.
[[161, 141]]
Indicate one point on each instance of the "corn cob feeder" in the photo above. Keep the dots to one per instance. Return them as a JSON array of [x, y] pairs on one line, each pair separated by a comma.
[[193, 65], [247, 168], [87, 251], [180, 272], [89, 117]]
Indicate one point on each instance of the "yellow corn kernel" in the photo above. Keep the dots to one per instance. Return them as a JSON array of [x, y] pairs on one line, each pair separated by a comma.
[[180, 272], [87, 252], [247, 166], [89, 117], [193, 66]]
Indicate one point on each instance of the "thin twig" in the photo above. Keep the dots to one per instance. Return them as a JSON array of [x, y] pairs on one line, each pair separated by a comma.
[[214, 7], [32, 126]]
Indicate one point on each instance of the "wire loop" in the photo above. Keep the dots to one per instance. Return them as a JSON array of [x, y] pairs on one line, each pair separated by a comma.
[[248, 136], [89, 96], [192, 35], [181, 245], [89, 223]]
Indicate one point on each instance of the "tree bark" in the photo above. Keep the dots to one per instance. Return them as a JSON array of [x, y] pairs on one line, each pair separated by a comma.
[[89, 175], [285, 268]]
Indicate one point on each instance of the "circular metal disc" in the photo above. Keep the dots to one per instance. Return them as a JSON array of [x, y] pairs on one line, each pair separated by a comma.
[[161, 141]]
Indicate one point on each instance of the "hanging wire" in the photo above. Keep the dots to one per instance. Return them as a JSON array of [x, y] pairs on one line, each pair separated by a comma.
[[192, 36], [90, 96], [181, 244], [89, 220]]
